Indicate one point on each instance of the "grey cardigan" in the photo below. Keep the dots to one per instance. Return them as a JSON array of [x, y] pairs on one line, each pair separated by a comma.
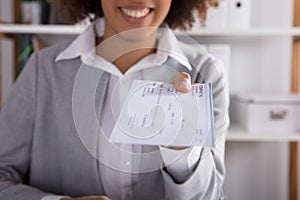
[[41, 153]]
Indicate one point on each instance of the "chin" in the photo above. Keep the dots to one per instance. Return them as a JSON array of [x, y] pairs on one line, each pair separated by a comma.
[[139, 34]]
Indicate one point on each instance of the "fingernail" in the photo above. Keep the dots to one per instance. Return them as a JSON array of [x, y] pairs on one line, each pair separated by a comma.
[[184, 85]]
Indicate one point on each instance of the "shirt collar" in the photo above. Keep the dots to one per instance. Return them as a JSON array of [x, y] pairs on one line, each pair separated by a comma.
[[168, 45], [84, 43]]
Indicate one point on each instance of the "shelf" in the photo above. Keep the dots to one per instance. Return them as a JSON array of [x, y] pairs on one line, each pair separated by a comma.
[[73, 30], [247, 33], [236, 134], [42, 29]]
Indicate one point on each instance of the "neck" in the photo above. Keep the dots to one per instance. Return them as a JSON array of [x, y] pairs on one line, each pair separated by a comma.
[[127, 60], [124, 52]]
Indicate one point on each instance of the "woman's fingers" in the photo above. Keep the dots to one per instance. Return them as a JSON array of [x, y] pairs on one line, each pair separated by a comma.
[[182, 82]]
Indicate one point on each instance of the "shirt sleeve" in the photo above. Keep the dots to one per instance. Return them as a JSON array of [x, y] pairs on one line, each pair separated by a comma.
[[180, 163], [16, 129], [206, 181]]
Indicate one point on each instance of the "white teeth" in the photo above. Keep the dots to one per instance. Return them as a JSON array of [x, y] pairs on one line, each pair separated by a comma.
[[136, 13]]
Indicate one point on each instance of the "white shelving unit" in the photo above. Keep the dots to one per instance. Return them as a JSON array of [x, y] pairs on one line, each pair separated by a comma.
[[76, 29], [237, 134], [41, 29], [247, 33]]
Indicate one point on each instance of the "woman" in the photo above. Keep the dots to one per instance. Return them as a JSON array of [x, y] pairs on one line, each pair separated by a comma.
[[51, 149]]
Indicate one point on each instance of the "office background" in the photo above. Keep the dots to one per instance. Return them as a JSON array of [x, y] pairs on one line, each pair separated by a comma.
[[258, 56]]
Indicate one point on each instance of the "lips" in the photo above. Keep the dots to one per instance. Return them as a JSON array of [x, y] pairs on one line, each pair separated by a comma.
[[136, 12]]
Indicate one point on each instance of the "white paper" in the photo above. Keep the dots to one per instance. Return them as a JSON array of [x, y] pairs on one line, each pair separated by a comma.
[[156, 114]]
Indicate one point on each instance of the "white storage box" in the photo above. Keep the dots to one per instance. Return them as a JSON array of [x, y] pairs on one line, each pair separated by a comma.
[[239, 14], [258, 113]]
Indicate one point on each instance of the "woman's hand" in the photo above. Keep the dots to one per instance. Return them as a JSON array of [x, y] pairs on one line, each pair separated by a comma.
[[88, 198], [182, 82]]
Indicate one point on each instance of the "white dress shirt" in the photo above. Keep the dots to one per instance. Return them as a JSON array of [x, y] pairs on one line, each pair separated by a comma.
[[117, 183]]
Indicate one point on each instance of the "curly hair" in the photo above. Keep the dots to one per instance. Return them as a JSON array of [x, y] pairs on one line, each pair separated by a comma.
[[181, 14]]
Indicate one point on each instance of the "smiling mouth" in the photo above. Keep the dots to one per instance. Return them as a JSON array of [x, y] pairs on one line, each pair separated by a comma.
[[136, 13]]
